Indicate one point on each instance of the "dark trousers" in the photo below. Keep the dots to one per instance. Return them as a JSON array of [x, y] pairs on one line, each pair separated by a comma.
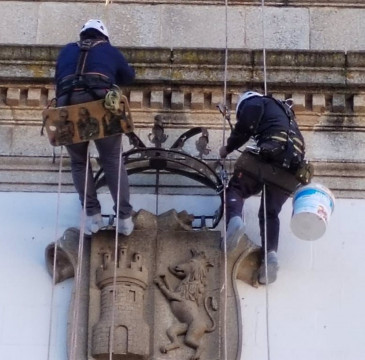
[[109, 149], [241, 187]]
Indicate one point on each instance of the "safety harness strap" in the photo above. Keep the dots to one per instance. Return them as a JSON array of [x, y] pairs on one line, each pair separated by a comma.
[[81, 80], [294, 141]]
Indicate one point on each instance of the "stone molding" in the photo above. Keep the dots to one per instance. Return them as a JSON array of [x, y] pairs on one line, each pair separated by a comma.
[[290, 68], [188, 106], [184, 87], [281, 3]]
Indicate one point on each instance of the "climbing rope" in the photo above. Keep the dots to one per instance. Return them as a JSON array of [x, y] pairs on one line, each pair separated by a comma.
[[267, 307], [55, 255], [267, 313], [78, 275], [116, 245], [225, 114], [264, 44]]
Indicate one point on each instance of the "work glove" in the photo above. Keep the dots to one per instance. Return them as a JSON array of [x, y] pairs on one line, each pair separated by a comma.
[[223, 152]]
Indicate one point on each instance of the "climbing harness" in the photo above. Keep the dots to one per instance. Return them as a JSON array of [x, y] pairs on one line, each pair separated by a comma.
[[80, 80]]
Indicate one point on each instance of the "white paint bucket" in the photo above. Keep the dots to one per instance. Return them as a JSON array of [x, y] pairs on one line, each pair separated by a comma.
[[313, 205]]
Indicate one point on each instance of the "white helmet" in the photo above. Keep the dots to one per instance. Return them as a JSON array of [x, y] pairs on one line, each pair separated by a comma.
[[246, 95], [97, 25]]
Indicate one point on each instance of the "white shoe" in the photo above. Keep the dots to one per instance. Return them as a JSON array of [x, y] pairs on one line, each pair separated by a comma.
[[235, 231], [125, 226], [93, 224]]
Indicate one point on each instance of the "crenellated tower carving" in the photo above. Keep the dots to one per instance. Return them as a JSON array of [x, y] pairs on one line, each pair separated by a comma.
[[125, 312]]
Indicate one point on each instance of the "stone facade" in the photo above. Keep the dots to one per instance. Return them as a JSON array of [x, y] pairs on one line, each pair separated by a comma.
[[183, 87]]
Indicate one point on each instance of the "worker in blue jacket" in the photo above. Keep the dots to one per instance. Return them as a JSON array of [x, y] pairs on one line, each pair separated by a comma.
[[85, 71], [278, 141]]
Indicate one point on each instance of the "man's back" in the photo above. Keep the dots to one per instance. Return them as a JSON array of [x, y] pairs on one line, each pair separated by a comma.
[[102, 58]]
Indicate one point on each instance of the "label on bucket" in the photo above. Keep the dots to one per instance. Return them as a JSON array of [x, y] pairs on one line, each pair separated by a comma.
[[312, 208]]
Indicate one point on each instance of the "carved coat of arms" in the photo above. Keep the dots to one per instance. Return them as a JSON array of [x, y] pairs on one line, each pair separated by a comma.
[[169, 295]]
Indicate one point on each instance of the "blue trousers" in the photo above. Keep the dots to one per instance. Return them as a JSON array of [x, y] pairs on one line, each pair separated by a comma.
[[241, 186]]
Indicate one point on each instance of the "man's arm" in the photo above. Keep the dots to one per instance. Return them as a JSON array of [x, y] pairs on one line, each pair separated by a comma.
[[126, 73], [249, 116]]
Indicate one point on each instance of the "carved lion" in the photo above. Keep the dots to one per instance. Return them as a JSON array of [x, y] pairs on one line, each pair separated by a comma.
[[186, 303]]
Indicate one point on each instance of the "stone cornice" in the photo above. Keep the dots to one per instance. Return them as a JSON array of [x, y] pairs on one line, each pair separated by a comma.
[[280, 3], [184, 87], [286, 69]]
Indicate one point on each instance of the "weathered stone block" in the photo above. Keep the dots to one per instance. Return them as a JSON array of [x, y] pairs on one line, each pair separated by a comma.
[[34, 97], [318, 102], [299, 101], [19, 31], [346, 34], [217, 98], [177, 100], [157, 99], [136, 99], [285, 28], [359, 103], [13, 96], [197, 100], [338, 103]]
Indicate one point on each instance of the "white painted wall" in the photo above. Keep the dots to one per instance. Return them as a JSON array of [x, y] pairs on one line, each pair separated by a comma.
[[315, 307]]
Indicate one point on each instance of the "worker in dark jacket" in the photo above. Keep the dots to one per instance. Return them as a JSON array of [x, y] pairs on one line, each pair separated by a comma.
[[85, 71], [278, 141]]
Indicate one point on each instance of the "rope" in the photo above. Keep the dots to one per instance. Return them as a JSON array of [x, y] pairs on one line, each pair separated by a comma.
[[266, 277], [112, 100], [267, 307], [74, 332], [264, 44], [224, 180], [116, 242], [55, 255]]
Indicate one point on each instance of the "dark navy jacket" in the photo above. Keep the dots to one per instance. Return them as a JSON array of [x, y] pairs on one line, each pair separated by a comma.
[[257, 117], [102, 59]]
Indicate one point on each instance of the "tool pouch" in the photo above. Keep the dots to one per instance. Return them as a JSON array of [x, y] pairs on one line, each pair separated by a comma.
[[305, 172], [272, 150]]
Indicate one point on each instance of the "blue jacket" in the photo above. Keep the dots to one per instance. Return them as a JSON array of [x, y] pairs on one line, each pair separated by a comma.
[[103, 59]]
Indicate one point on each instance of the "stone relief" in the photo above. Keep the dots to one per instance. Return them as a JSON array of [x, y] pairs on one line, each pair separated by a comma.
[[188, 302], [163, 298], [125, 303]]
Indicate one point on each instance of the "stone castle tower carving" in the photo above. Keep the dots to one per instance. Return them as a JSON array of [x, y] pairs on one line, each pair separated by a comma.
[[131, 331]]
